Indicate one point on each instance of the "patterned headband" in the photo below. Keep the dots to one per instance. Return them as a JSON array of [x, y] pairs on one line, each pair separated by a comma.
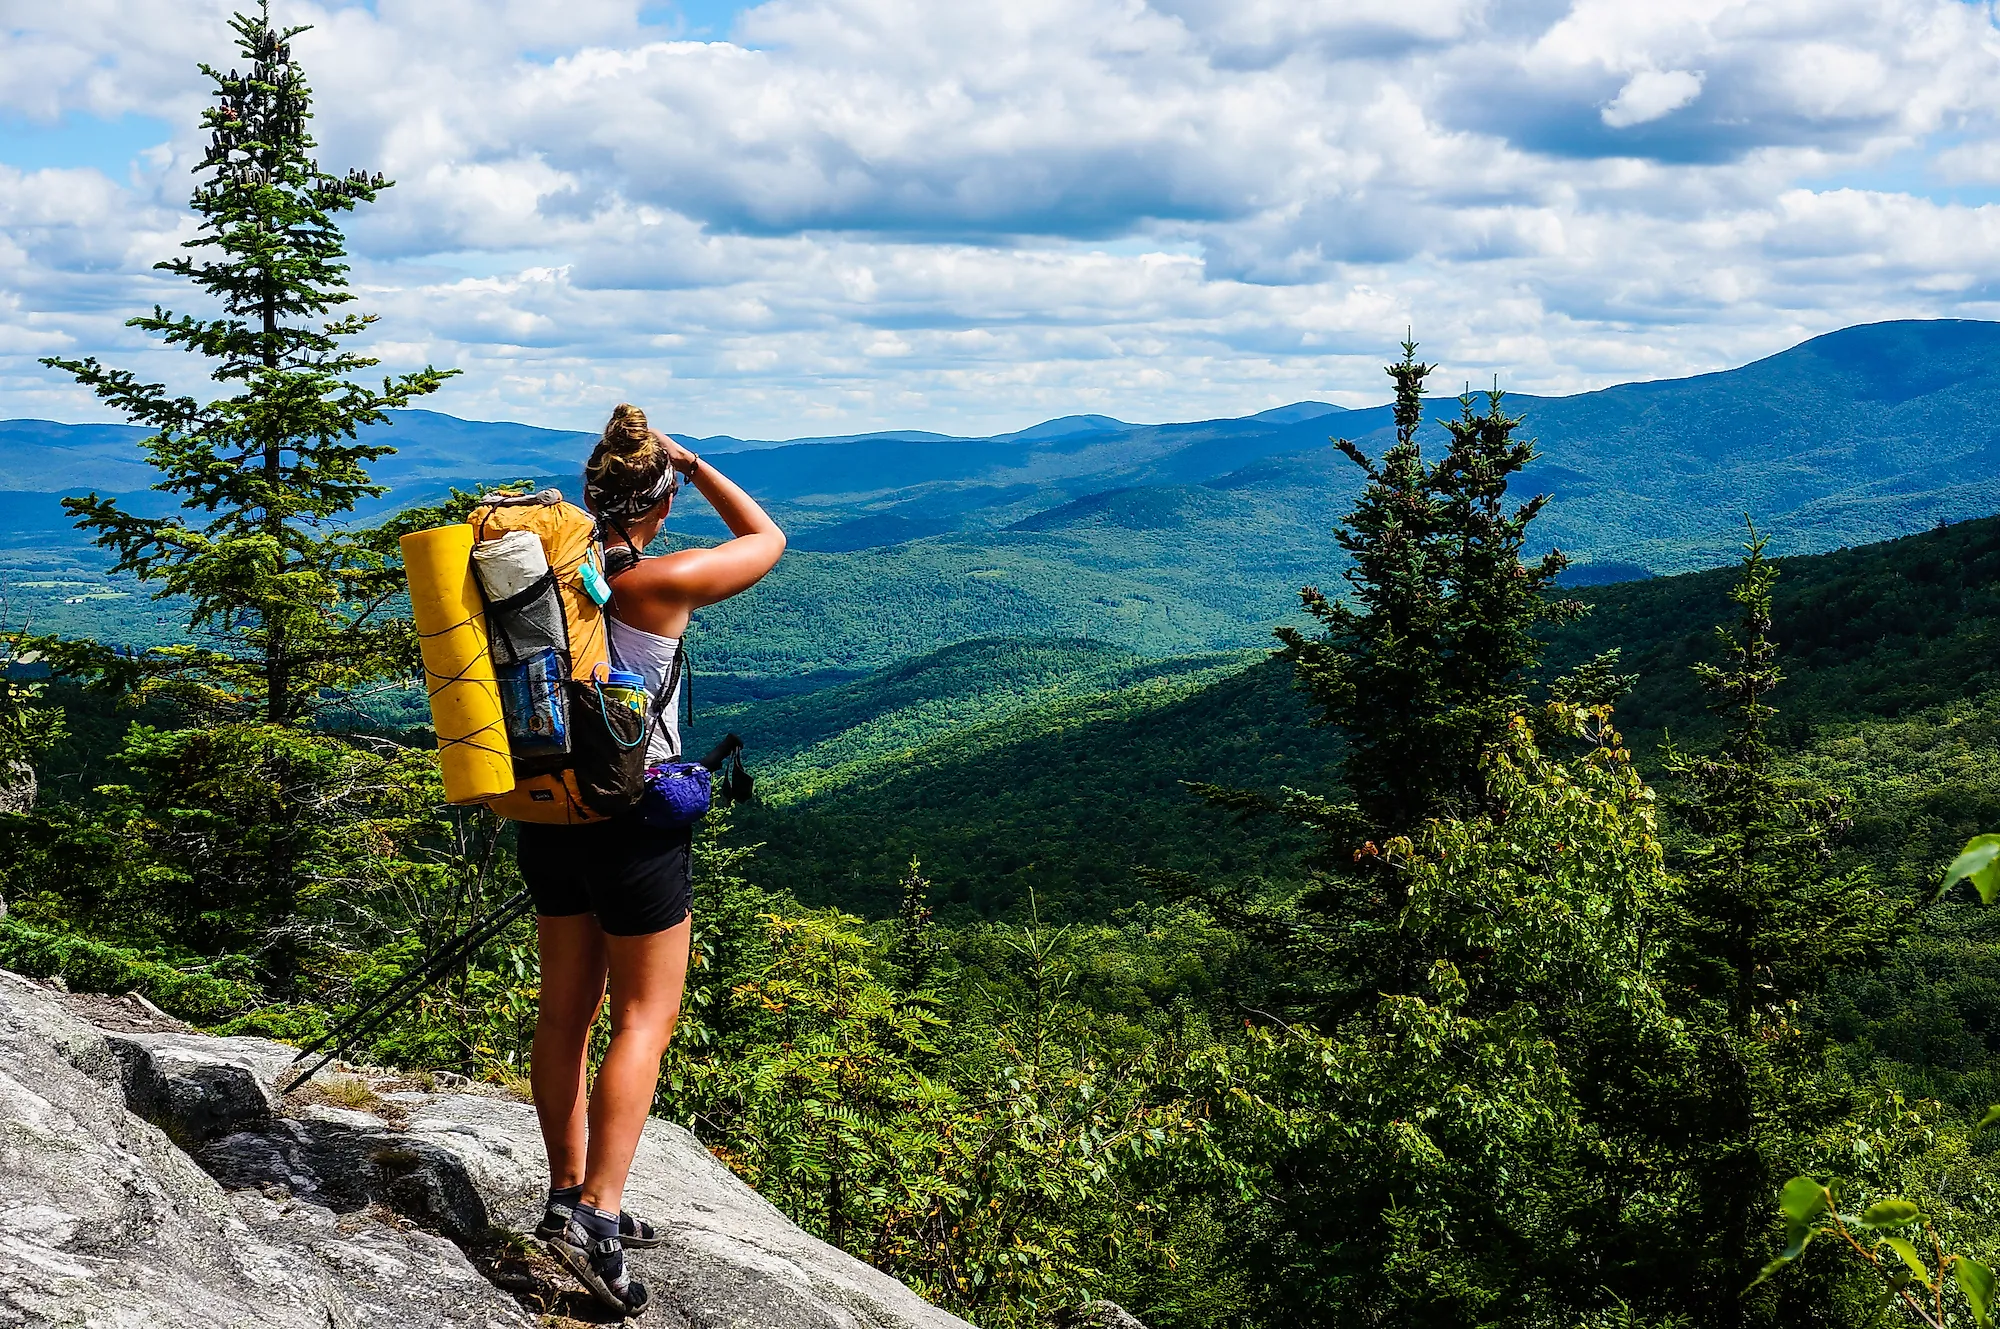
[[626, 506]]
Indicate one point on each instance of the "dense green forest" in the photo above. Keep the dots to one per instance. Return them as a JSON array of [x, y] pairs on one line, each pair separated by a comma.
[[924, 758], [1092, 948], [1490, 954]]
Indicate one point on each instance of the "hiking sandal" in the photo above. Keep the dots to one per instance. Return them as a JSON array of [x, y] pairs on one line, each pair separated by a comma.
[[600, 1266], [635, 1232]]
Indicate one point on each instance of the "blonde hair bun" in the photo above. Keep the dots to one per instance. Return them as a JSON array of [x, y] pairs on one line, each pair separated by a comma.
[[628, 461], [627, 430]]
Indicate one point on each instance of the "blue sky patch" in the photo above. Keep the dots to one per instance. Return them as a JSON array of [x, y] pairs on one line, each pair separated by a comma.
[[79, 139]]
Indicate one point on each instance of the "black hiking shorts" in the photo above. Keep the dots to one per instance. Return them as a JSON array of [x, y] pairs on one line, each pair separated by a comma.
[[634, 877]]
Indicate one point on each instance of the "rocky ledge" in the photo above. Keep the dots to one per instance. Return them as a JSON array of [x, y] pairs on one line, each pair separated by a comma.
[[155, 1178]]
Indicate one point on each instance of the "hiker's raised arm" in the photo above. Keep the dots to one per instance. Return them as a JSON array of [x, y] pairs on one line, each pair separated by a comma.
[[704, 576]]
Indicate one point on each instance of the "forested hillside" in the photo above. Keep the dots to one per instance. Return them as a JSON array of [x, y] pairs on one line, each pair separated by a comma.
[[1011, 764], [1875, 631], [1002, 793], [813, 740], [969, 755]]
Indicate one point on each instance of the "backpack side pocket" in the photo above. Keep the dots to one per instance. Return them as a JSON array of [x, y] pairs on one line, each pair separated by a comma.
[[607, 749]]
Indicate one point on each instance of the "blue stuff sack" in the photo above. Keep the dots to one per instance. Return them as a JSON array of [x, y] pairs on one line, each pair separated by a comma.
[[677, 794], [535, 703]]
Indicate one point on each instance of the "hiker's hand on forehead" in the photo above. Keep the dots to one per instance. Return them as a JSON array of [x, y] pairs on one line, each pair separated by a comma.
[[679, 457]]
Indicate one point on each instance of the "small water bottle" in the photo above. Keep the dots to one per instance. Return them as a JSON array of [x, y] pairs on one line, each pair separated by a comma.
[[623, 688], [535, 703]]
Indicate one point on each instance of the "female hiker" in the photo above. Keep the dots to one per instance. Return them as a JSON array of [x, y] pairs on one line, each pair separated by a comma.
[[612, 898]]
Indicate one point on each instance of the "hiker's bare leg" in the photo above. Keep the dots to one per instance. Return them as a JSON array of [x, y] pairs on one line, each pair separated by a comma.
[[573, 969], [647, 974]]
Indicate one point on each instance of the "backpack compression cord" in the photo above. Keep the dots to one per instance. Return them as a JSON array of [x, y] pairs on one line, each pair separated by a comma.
[[450, 618]]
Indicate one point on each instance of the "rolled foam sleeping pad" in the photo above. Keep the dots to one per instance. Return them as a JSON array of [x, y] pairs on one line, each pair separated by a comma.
[[458, 664]]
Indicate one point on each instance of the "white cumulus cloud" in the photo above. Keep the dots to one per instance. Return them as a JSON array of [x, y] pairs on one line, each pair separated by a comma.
[[1650, 94], [875, 213]]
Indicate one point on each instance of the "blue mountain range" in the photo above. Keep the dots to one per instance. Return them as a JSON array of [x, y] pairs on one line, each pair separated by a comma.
[[1858, 435]]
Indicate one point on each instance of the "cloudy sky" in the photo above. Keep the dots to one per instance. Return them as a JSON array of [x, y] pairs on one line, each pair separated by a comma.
[[816, 216]]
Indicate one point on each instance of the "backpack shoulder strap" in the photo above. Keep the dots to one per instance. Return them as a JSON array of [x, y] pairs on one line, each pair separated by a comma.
[[619, 559], [656, 707]]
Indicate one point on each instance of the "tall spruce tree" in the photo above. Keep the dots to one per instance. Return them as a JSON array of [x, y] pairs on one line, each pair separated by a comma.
[[1760, 919], [1428, 654], [265, 474], [248, 809], [915, 948], [1421, 666]]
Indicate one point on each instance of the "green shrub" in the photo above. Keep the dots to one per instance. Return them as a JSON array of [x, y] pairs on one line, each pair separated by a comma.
[[199, 996]]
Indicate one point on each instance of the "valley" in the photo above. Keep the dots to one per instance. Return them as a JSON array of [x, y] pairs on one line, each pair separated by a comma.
[[1057, 765]]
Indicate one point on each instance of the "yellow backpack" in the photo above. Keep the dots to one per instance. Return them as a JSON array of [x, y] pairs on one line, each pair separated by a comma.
[[545, 645], [551, 789]]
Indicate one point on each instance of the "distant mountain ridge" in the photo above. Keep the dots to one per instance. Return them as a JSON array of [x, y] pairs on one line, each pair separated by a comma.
[[43, 456], [1190, 537], [1858, 435], [46, 456]]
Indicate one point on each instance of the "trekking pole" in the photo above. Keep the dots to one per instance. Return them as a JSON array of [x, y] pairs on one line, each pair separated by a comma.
[[380, 1013], [377, 1012], [373, 1016]]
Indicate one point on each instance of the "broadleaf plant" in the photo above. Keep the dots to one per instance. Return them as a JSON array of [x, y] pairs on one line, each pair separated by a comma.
[[1810, 1207], [1980, 865]]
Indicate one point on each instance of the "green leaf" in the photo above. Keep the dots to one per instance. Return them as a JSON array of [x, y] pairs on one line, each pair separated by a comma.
[[1975, 1280], [1802, 1200], [1798, 1239], [1888, 1214], [1979, 864], [1992, 1115], [1909, 1256]]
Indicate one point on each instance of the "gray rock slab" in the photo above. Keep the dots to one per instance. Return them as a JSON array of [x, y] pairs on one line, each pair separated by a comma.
[[196, 1087], [1103, 1315], [18, 789], [462, 1164], [719, 1230], [731, 1260], [348, 1160], [106, 1224]]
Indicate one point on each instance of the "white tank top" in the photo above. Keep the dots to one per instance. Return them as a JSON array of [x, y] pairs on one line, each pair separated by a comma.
[[638, 651]]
